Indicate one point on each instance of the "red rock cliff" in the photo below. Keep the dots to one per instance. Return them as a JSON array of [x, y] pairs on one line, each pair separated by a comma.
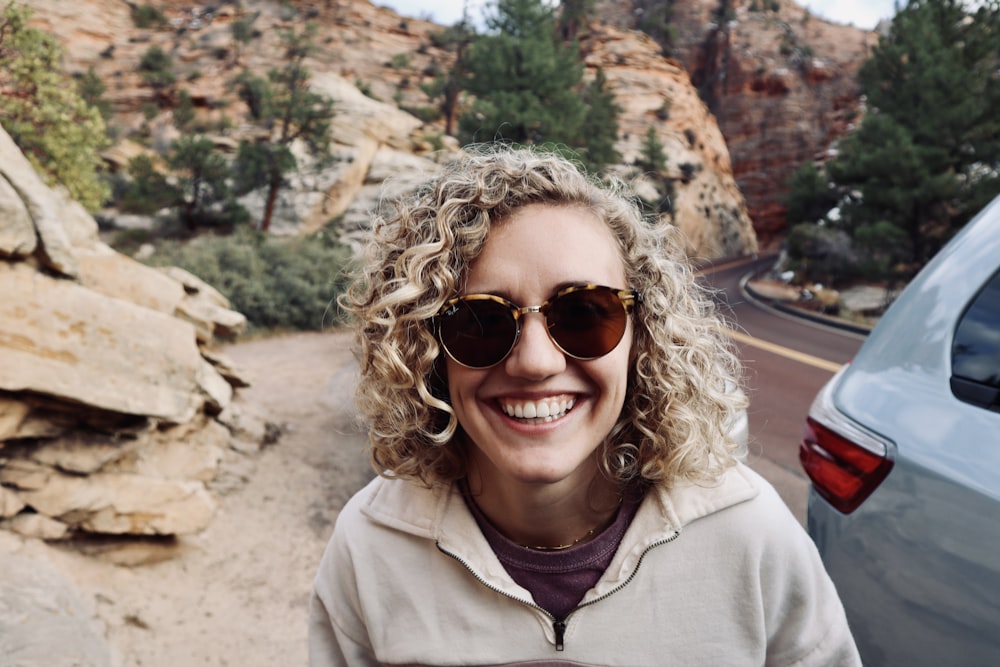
[[781, 82]]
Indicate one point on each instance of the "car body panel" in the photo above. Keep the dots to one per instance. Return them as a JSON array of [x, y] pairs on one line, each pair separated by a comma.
[[918, 563]]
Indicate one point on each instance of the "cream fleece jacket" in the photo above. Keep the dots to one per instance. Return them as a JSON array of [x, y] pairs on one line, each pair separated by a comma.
[[720, 575]]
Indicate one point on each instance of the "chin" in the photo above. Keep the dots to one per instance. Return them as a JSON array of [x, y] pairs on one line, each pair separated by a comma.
[[542, 474]]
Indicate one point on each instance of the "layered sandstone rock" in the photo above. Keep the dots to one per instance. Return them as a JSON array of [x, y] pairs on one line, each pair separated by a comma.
[[111, 402]]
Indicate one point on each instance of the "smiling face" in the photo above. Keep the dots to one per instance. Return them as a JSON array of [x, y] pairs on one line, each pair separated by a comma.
[[539, 416]]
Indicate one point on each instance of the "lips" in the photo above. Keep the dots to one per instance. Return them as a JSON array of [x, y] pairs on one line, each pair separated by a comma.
[[537, 411]]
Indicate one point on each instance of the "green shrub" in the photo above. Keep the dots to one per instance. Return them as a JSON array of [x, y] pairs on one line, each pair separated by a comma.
[[155, 68], [436, 140], [366, 89], [809, 196], [822, 254], [146, 191], [147, 16], [424, 113], [278, 283], [399, 61]]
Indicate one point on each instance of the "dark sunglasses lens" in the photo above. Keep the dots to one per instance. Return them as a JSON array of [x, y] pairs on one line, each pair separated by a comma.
[[587, 323], [478, 333]]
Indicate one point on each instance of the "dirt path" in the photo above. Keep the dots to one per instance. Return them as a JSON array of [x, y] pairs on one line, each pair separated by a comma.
[[238, 593]]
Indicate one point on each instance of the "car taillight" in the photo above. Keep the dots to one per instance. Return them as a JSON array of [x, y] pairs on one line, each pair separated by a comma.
[[843, 472]]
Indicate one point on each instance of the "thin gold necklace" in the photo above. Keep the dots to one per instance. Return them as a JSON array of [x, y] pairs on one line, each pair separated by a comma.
[[562, 547], [585, 536]]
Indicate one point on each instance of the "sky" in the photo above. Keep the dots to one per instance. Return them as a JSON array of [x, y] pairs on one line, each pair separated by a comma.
[[861, 13]]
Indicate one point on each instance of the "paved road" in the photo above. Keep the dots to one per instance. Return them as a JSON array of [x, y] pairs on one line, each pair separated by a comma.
[[787, 359]]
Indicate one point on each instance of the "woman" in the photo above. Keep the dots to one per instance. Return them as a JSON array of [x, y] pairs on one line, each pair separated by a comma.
[[549, 396]]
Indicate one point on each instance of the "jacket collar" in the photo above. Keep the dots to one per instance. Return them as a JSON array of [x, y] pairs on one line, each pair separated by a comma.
[[439, 512]]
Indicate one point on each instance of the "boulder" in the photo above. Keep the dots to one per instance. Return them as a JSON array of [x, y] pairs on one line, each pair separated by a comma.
[[169, 290], [204, 306], [108, 386], [360, 117], [61, 339], [115, 275], [149, 484], [43, 620], [115, 503], [40, 204]]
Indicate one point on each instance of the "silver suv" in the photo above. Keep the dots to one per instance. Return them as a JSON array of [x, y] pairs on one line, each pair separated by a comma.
[[903, 450]]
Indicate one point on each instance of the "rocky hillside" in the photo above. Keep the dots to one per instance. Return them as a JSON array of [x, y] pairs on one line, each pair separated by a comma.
[[372, 62], [781, 83]]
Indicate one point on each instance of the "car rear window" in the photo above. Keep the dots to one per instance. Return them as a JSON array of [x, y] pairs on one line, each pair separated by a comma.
[[975, 353]]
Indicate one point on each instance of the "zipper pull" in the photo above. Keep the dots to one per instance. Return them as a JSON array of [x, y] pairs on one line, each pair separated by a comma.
[[560, 630]]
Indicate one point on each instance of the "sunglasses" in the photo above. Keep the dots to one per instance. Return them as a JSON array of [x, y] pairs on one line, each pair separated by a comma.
[[584, 322]]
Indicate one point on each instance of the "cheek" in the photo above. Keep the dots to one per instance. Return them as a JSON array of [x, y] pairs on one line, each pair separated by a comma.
[[460, 384], [615, 373]]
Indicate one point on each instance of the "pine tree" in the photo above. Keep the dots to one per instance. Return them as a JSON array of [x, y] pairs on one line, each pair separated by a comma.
[[574, 15], [242, 31], [525, 81], [655, 18], [925, 158], [205, 196], [809, 196], [652, 158], [184, 112], [92, 90], [284, 105], [44, 113], [447, 85], [148, 190]]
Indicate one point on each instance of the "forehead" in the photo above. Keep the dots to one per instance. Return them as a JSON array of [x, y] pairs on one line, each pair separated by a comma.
[[541, 247]]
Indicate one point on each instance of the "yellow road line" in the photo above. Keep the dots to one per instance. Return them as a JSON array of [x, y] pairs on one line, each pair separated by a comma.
[[785, 352], [715, 268]]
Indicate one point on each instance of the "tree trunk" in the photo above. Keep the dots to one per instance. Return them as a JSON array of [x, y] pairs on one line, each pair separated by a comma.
[[272, 196]]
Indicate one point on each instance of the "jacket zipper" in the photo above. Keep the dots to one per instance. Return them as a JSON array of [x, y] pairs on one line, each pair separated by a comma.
[[559, 626], [531, 605]]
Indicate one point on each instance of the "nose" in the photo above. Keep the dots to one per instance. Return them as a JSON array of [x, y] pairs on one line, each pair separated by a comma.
[[534, 356]]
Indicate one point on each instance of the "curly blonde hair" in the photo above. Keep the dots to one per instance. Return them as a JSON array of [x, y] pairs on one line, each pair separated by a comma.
[[683, 393]]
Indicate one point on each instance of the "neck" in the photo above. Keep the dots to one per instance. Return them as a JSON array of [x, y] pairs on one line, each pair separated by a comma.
[[548, 516]]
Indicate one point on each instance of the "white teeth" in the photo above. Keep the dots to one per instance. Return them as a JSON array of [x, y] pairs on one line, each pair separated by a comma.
[[541, 411]]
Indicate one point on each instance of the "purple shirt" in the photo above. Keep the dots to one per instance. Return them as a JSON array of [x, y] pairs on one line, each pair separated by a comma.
[[558, 580]]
